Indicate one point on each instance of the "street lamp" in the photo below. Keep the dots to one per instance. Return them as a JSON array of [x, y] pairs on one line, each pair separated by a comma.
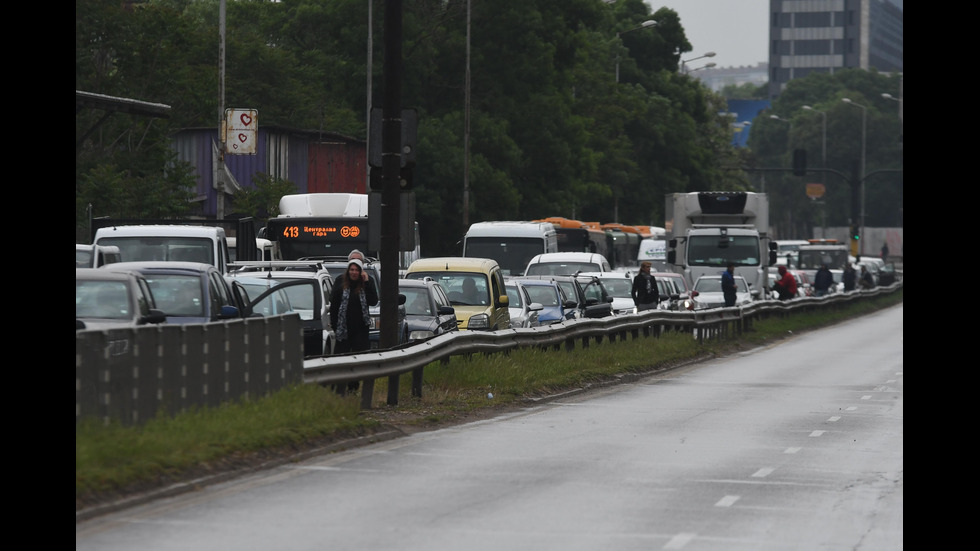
[[864, 128], [705, 66], [823, 139], [646, 24], [823, 157], [684, 62]]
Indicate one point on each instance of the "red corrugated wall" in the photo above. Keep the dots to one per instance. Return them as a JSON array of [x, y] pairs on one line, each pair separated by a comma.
[[337, 167]]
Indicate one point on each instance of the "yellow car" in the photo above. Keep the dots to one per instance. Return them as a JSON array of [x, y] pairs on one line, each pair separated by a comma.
[[475, 287]]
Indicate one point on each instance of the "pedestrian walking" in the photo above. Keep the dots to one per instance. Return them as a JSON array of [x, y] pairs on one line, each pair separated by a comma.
[[823, 280], [645, 294]]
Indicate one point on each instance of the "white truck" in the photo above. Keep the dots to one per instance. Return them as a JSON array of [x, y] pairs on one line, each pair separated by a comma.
[[708, 230]]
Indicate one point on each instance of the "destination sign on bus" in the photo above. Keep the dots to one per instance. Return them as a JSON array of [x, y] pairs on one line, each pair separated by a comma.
[[325, 232]]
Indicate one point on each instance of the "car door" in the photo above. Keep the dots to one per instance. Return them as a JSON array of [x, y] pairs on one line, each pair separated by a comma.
[[313, 342]]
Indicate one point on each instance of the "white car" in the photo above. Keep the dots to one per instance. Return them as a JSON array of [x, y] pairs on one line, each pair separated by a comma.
[[710, 295], [523, 312], [619, 285], [568, 263]]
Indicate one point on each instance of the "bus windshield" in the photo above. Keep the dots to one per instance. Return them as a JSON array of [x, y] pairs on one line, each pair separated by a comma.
[[512, 253]]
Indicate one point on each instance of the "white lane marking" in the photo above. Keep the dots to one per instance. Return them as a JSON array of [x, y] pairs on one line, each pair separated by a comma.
[[763, 472], [866, 397], [680, 540], [727, 501], [817, 433], [851, 408], [834, 419], [792, 450]]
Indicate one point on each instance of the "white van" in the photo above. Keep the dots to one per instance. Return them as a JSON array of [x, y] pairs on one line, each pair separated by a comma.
[[206, 244], [654, 251], [95, 256], [511, 244], [567, 264]]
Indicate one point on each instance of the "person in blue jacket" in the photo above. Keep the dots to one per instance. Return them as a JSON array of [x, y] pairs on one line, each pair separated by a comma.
[[728, 285]]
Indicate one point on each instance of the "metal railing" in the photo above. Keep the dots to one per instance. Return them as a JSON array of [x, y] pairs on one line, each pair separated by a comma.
[[714, 323]]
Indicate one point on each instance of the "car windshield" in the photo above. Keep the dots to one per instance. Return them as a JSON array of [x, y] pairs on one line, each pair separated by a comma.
[[417, 301], [546, 295], [102, 299], [463, 288], [619, 288], [177, 294], [188, 249]]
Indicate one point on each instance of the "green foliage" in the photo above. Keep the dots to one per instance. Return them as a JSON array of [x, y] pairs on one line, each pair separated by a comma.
[[552, 132], [262, 201], [773, 142]]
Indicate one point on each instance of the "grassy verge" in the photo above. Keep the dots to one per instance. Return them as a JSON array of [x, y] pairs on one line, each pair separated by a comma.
[[113, 460]]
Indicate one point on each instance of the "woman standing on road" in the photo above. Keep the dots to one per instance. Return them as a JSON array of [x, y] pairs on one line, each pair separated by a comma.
[[349, 311]]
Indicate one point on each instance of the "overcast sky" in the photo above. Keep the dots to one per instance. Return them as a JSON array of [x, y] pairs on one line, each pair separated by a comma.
[[736, 30]]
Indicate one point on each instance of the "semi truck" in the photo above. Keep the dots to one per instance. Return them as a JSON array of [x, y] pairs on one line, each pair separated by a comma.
[[708, 230]]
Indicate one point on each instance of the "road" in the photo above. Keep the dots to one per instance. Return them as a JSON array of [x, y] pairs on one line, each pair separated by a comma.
[[795, 446]]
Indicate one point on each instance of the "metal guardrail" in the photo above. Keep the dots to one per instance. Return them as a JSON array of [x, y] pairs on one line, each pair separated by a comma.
[[706, 324]]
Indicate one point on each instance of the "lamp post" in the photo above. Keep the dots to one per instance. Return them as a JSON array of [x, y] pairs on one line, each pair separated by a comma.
[[823, 159], [466, 129], [705, 66], [901, 106], [684, 62], [646, 24], [823, 138], [864, 127]]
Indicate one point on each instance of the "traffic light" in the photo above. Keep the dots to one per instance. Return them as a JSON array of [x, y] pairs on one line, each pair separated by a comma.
[[799, 162], [855, 233]]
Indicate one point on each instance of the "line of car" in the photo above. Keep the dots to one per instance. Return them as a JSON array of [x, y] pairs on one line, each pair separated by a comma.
[[436, 295]]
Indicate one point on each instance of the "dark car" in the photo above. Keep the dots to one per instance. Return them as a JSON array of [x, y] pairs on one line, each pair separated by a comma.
[[113, 299], [188, 292], [586, 295], [428, 312]]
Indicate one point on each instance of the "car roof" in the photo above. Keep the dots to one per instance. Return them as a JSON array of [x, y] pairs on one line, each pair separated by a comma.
[[137, 230], [565, 256], [607, 275], [103, 274], [452, 264], [160, 266]]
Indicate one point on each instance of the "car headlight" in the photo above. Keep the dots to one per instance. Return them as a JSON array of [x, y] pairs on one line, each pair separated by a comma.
[[420, 335], [478, 321]]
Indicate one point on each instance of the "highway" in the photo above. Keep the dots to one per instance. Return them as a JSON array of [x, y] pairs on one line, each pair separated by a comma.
[[794, 446]]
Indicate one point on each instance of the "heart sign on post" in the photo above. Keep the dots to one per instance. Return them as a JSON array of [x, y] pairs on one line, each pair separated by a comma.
[[243, 124]]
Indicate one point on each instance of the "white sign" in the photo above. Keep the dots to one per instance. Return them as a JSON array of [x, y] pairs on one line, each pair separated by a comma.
[[242, 131]]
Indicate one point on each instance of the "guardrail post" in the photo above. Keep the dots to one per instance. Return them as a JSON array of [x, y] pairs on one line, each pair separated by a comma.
[[417, 382], [393, 390], [367, 393]]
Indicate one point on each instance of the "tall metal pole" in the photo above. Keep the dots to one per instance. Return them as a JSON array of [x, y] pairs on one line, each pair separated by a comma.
[[370, 74], [864, 128], [222, 131], [466, 128]]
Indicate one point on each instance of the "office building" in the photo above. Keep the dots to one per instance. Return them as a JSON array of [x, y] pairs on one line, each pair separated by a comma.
[[822, 36]]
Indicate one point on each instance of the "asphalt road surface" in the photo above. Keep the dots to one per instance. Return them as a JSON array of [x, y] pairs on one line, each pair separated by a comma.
[[798, 446]]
